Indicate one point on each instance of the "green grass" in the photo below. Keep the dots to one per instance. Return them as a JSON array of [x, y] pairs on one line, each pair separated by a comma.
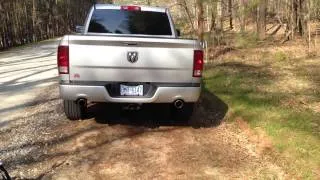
[[280, 56], [292, 131]]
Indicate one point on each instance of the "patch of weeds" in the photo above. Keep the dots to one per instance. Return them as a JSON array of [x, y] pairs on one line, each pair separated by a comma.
[[216, 39], [267, 174], [246, 40], [281, 147], [280, 56], [312, 54]]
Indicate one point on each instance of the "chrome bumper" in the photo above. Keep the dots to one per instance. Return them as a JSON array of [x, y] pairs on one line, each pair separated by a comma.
[[100, 94]]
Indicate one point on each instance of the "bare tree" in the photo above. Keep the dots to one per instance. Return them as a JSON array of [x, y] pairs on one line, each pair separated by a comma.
[[230, 14], [242, 15], [33, 20], [200, 15], [261, 19]]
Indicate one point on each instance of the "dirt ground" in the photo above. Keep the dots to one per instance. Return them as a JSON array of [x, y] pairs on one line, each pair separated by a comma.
[[38, 142], [114, 144]]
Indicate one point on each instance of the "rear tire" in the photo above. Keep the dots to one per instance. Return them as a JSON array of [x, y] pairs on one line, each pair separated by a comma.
[[74, 110]]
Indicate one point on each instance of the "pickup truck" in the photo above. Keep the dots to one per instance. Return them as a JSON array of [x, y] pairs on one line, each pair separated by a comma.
[[130, 55]]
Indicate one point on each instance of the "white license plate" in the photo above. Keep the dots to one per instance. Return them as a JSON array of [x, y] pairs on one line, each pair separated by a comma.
[[131, 90]]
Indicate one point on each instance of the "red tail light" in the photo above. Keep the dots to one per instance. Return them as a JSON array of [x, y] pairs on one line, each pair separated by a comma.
[[198, 63], [131, 8], [63, 59]]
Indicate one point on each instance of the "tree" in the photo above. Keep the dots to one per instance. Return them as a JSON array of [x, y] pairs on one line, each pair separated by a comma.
[[261, 19], [34, 20], [230, 13], [200, 15], [242, 15]]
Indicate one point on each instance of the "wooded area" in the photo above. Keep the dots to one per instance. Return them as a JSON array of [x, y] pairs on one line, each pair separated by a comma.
[[29, 21], [34, 20], [222, 15]]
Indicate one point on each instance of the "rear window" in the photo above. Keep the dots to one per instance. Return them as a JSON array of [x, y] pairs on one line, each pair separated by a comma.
[[129, 22]]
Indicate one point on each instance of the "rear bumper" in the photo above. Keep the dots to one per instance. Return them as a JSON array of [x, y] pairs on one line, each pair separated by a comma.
[[100, 94]]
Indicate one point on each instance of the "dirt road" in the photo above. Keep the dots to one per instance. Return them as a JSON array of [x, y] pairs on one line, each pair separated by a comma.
[[38, 142]]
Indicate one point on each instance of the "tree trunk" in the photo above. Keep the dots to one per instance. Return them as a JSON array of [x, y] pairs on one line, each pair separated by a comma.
[[303, 18], [242, 16], [34, 16], [261, 19], [307, 19], [200, 13], [295, 15], [230, 13], [220, 16]]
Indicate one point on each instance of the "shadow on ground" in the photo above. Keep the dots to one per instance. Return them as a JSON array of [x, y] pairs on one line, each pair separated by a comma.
[[208, 112], [58, 139]]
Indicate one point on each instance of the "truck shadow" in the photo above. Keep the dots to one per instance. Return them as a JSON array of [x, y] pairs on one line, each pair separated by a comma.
[[210, 109]]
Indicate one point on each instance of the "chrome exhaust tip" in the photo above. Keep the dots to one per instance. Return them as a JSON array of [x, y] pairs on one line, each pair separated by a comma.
[[179, 104], [82, 102]]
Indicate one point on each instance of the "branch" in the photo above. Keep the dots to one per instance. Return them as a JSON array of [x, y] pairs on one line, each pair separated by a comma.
[[187, 11]]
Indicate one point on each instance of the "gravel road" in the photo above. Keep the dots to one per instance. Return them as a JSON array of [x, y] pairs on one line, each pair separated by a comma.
[[38, 142], [23, 73]]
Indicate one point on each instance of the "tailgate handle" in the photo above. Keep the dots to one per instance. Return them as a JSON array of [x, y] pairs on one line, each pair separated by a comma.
[[130, 43]]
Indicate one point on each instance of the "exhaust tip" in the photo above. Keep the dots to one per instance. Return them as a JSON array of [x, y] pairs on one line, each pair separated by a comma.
[[82, 102], [178, 104]]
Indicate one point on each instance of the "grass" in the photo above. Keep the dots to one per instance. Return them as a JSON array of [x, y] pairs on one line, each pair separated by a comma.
[[246, 40], [276, 93], [280, 56]]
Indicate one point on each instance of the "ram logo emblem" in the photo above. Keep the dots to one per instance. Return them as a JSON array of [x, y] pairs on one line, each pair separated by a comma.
[[132, 57]]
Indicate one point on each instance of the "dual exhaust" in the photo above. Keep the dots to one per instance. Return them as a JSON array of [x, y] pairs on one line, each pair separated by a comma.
[[178, 104]]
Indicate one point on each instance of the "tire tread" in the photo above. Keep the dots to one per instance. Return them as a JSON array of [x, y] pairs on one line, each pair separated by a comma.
[[72, 110]]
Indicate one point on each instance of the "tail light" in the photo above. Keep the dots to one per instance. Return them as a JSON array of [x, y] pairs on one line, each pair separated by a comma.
[[63, 59], [198, 63], [131, 8]]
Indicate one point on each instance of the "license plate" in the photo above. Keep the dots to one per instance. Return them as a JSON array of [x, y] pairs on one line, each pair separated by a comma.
[[131, 90]]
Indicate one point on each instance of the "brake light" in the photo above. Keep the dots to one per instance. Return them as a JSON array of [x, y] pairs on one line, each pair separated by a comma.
[[131, 8], [63, 59], [198, 63]]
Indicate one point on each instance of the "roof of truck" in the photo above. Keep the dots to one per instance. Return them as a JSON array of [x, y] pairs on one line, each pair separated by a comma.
[[143, 8]]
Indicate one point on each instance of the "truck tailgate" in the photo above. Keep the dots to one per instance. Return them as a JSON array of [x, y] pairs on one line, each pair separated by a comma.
[[105, 59]]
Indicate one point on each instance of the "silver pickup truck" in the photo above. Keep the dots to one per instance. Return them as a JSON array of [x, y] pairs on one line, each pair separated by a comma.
[[130, 55]]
